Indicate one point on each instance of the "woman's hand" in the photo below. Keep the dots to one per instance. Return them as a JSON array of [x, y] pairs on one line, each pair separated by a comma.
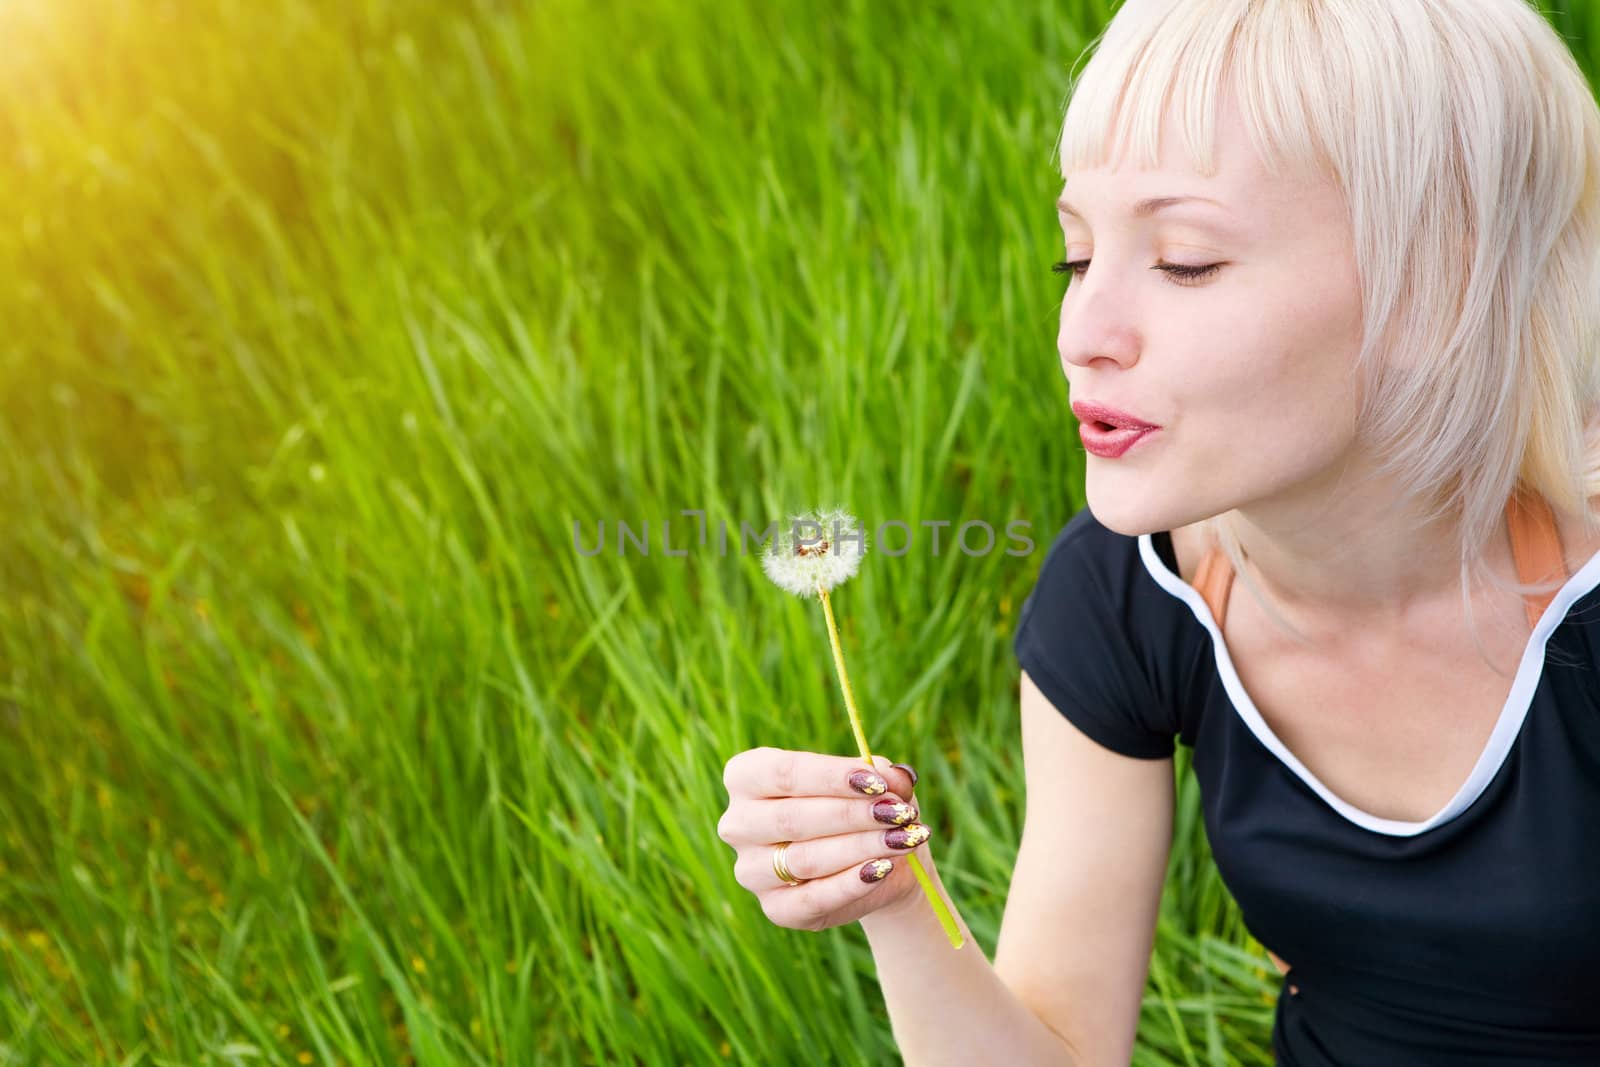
[[845, 822]]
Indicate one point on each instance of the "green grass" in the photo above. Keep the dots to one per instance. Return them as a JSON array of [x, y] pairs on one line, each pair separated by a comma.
[[318, 740]]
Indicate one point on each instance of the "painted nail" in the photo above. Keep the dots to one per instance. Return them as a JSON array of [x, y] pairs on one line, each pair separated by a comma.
[[869, 782], [906, 836], [908, 769], [893, 812], [876, 870]]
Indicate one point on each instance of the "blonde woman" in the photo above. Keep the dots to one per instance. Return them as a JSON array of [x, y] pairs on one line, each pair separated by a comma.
[[1330, 330]]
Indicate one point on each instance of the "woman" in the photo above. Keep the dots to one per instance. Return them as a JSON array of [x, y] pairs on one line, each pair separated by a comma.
[[1333, 273]]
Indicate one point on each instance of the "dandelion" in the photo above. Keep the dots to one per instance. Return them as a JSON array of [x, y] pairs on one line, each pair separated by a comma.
[[815, 553], [818, 551]]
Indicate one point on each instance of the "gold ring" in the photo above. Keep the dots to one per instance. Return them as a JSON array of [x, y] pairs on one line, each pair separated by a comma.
[[780, 868]]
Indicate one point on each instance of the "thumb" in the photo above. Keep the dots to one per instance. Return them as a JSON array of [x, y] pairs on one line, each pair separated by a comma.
[[901, 777]]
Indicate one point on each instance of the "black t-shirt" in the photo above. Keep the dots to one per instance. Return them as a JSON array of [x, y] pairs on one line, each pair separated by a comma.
[[1472, 937]]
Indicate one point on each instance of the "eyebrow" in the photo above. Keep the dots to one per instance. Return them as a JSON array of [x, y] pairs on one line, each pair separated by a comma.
[[1145, 208]]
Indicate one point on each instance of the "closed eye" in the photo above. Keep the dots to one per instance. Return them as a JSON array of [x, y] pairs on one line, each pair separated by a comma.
[[1178, 272]]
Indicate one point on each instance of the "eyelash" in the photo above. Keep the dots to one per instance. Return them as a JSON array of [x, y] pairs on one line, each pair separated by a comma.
[[1188, 275]]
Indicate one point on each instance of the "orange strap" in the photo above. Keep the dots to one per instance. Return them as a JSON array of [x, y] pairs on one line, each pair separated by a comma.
[[1535, 545], [1213, 581]]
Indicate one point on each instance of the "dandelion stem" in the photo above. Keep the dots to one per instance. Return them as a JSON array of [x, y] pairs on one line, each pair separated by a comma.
[[940, 908]]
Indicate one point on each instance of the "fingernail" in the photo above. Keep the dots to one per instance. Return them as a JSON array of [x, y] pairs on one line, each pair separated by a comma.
[[908, 769], [894, 812], [869, 782], [906, 836], [876, 870]]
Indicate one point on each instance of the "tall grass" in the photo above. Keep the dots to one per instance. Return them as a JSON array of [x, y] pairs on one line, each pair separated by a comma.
[[320, 741]]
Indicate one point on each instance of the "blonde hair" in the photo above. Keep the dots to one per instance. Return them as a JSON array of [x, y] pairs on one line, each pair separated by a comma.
[[1467, 144]]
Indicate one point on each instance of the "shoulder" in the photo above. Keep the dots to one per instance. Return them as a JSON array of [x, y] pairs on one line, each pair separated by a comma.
[[1086, 556], [1082, 531], [1116, 577], [1091, 637], [1081, 584]]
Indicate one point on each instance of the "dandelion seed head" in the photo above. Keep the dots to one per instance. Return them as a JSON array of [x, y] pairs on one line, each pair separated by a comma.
[[815, 551]]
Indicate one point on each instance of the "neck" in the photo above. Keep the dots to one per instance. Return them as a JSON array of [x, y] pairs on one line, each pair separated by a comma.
[[1355, 563]]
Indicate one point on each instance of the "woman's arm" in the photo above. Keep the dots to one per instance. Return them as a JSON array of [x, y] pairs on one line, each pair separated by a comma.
[[1074, 950], [950, 1006]]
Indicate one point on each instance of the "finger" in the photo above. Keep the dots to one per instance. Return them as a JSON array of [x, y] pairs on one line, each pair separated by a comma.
[[778, 772], [813, 905], [823, 857], [764, 821], [902, 777]]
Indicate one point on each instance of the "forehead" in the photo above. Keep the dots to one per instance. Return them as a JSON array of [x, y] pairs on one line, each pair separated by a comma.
[[1240, 183]]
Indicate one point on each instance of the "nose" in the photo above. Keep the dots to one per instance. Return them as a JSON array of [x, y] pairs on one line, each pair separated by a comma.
[[1098, 323]]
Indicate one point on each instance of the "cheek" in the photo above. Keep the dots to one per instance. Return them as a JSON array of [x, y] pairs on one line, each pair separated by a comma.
[[1271, 388]]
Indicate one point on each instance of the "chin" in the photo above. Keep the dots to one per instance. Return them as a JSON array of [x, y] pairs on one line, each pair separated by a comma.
[[1131, 510]]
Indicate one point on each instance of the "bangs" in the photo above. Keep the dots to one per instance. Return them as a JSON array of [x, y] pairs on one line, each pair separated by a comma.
[[1182, 55]]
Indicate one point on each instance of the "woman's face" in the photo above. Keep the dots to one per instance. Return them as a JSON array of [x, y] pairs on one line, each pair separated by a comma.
[[1247, 369]]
